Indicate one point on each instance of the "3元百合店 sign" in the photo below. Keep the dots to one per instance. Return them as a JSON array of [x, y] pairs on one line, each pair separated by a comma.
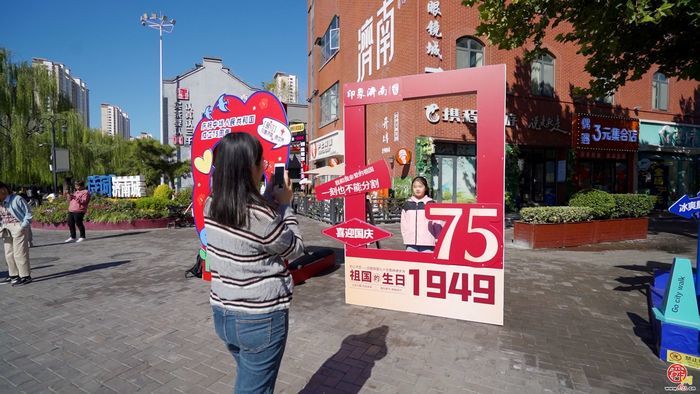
[[463, 278]]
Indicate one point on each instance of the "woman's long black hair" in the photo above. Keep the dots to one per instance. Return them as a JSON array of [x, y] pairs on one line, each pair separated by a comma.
[[233, 186], [424, 182]]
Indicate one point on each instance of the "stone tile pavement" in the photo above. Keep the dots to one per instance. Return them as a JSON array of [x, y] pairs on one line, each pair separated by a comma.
[[115, 314]]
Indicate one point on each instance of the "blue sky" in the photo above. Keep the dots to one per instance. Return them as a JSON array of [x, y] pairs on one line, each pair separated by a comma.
[[103, 43]]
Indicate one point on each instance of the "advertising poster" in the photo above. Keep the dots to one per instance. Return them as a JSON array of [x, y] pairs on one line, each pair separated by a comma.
[[463, 276], [262, 115]]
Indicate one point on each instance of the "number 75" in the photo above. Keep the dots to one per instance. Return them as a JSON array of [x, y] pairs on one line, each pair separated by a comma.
[[467, 227]]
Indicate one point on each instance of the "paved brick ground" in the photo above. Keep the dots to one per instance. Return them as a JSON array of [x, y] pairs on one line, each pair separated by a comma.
[[115, 314]]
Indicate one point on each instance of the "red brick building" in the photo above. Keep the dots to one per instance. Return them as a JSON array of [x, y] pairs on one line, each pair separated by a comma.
[[354, 41]]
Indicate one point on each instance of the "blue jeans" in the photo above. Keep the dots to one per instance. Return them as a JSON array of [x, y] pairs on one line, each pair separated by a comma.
[[419, 248], [256, 343]]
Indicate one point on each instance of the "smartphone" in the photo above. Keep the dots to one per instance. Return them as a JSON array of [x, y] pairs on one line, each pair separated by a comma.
[[279, 174]]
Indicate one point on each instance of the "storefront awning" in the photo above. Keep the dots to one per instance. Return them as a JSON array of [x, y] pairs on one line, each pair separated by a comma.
[[328, 170]]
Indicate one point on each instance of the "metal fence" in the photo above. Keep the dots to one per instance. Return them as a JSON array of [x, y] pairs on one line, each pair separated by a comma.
[[382, 210]]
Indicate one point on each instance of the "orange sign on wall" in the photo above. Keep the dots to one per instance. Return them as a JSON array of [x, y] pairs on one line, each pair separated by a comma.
[[403, 156]]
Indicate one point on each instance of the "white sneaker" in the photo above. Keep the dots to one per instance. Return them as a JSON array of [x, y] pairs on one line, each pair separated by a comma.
[[69, 240], [80, 240]]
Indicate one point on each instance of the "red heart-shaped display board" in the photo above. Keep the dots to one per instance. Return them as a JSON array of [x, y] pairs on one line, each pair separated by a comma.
[[262, 116]]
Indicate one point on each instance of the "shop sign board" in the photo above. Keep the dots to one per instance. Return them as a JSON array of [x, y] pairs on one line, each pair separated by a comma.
[[463, 278], [261, 115], [604, 132], [329, 145], [297, 127], [670, 135]]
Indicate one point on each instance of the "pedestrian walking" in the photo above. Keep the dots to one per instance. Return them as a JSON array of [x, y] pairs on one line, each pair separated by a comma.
[[15, 220], [77, 207], [248, 238]]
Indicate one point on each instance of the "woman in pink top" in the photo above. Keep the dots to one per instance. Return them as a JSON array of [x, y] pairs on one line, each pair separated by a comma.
[[419, 233], [77, 206]]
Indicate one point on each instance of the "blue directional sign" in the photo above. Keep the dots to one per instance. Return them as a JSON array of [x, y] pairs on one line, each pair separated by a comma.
[[686, 207]]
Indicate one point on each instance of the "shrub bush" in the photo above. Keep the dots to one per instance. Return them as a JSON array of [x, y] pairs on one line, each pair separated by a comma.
[[632, 205], [164, 192], [153, 203], [602, 203], [183, 198], [539, 215]]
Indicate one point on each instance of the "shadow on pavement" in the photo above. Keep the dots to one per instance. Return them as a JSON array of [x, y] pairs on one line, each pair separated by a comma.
[[351, 366], [125, 234], [81, 270], [673, 225], [3, 274], [640, 283], [642, 329]]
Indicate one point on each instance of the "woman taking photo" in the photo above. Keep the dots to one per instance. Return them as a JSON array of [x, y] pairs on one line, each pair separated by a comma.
[[248, 238]]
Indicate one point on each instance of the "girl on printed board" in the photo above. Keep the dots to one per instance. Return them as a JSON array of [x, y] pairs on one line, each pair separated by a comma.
[[418, 232]]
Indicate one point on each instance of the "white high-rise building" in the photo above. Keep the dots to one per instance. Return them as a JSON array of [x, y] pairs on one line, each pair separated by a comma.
[[115, 122], [73, 89], [286, 88]]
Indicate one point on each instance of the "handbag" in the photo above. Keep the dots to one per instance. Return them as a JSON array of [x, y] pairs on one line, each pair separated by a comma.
[[5, 234]]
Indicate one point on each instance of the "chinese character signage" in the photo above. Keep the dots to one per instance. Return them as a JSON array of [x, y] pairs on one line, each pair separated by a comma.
[[355, 232], [462, 277], [455, 115], [117, 186], [183, 94], [375, 41], [433, 29], [374, 177], [261, 115], [604, 132], [373, 92], [686, 207]]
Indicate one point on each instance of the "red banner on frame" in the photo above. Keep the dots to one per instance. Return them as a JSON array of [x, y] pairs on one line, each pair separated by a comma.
[[368, 179], [355, 232]]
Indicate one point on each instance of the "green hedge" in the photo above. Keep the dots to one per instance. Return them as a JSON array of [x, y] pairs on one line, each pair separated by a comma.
[[602, 203], [632, 205], [183, 198], [539, 215], [163, 191], [592, 204]]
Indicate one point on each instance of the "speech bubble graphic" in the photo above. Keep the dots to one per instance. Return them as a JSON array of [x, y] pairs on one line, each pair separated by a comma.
[[274, 131]]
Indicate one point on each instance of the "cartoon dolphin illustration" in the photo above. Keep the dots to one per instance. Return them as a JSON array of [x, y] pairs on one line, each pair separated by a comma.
[[222, 103], [207, 112]]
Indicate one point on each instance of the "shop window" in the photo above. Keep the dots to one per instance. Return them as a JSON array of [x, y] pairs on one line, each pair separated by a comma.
[[542, 76], [454, 173], [470, 53], [329, 105], [659, 92], [330, 42]]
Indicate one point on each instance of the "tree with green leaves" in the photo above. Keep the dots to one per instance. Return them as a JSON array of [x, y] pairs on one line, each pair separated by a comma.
[[158, 160], [621, 39]]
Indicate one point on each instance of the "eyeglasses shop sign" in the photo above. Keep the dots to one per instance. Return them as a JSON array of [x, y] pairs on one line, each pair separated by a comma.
[[331, 145]]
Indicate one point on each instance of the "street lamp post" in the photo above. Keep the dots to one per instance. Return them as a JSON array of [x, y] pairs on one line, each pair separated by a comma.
[[162, 24], [53, 120]]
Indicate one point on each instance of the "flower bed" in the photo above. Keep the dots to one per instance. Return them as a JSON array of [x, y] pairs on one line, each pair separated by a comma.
[[594, 217], [110, 213], [138, 224]]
